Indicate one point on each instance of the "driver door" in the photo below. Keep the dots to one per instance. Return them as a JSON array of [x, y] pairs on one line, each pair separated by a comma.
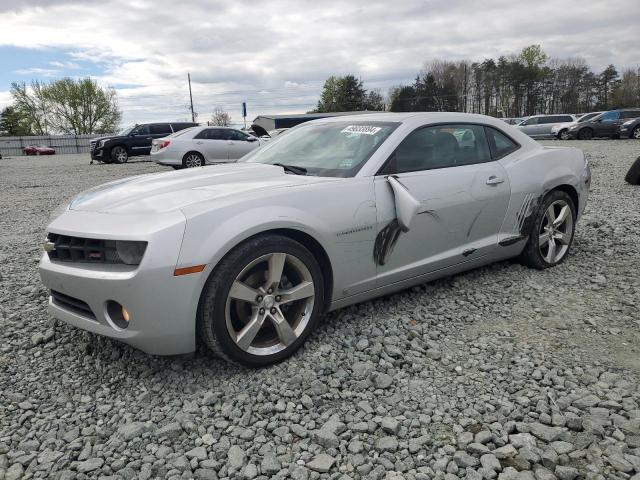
[[239, 144], [608, 124], [461, 197], [212, 144], [140, 143]]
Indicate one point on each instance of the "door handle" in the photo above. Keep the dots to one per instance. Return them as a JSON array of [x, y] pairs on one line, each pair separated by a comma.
[[493, 180], [198, 143]]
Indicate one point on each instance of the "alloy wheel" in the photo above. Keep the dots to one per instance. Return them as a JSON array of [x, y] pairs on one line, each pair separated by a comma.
[[636, 133], [270, 304], [556, 231], [564, 135], [121, 155], [193, 160]]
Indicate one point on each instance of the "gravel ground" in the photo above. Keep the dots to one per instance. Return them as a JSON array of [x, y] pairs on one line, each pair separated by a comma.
[[502, 372]]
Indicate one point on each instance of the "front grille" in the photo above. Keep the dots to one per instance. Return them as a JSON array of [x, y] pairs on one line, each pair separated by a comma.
[[72, 304], [92, 145], [79, 249]]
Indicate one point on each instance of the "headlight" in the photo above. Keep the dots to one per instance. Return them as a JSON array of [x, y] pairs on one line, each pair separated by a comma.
[[130, 252], [101, 143]]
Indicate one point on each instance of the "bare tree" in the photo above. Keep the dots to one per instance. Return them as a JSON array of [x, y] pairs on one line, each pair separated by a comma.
[[220, 118], [32, 105]]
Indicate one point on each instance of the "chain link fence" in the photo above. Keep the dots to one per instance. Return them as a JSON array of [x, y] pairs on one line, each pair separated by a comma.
[[12, 146]]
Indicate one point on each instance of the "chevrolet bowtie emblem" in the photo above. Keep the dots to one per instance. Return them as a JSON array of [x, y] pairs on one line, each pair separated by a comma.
[[49, 246]]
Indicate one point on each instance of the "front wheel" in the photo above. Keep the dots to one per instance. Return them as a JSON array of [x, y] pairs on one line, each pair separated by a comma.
[[552, 231], [636, 133], [585, 134], [564, 134], [261, 302], [119, 155]]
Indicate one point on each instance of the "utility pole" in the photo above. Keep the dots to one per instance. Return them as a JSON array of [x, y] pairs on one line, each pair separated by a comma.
[[193, 115], [464, 95]]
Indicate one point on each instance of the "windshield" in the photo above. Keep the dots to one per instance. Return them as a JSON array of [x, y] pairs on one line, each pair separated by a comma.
[[588, 116], [126, 130], [332, 149]]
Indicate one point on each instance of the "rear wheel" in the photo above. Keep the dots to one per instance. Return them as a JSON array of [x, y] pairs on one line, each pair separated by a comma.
[[192, 160], [585, 134], [119, 155], [564, 134], [636, 133], [552, 232], [261, 302]]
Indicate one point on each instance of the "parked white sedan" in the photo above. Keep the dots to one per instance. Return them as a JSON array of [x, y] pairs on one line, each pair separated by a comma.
[[197, 146]]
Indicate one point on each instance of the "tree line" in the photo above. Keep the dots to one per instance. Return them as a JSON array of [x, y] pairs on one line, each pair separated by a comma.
[[64, 106], [529, 83]]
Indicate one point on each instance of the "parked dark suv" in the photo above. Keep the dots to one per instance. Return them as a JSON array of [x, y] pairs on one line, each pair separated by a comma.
[[132, 141], [604, 125]]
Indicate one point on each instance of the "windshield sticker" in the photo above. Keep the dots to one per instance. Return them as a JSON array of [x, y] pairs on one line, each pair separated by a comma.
[[346, 163], [361, 129]]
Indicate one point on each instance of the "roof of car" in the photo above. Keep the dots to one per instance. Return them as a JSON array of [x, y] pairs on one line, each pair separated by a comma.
[[406, 116]]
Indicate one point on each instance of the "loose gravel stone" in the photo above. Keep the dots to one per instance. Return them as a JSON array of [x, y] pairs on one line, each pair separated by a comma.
[[499, 373]]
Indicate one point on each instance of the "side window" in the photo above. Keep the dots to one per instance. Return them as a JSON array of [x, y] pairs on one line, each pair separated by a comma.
[[531, 121], [610, 116], [500, 144], [141, 130], [440, 146], [211, 134], [160, 129], [236, 135], [630, 114]]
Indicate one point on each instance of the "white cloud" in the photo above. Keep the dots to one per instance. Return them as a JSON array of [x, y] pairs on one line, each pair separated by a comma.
[[37, 72], [275, 54]]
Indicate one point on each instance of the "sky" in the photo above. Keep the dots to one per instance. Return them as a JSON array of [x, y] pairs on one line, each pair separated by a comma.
[[276, 54]]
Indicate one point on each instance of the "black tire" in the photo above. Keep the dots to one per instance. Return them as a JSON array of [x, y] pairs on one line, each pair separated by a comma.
[[563, 134], [531, 256], [585, 134], [192, 160], [633, 175], [211, 320], [635, 133], [119, 154]]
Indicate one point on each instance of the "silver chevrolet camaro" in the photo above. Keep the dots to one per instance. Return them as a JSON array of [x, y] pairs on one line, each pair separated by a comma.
[[246, 257]]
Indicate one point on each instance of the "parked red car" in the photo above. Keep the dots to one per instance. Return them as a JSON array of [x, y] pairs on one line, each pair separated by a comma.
[[38, 150]]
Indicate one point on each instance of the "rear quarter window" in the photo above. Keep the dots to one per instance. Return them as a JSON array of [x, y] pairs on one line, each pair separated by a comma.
[[499, 143]]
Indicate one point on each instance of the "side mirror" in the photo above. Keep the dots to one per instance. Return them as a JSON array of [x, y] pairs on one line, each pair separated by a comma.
[[406, 205]]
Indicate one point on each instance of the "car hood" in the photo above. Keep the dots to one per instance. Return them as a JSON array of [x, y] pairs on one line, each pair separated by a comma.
[[110, 137], [163, 192]]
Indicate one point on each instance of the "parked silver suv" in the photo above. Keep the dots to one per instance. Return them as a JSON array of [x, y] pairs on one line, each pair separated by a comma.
[[540, 126]]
